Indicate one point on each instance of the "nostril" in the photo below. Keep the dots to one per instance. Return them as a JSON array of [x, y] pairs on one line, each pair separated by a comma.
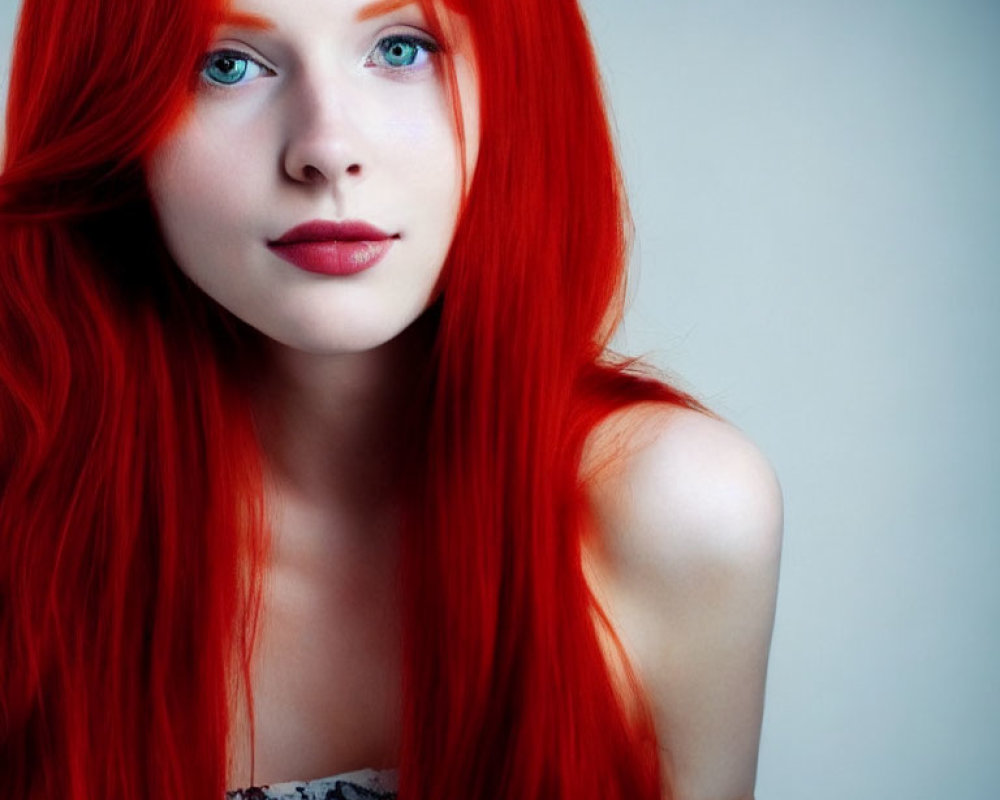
[[354, 169]]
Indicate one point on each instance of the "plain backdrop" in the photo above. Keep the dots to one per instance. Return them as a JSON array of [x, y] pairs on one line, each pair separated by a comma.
[[816, 188]]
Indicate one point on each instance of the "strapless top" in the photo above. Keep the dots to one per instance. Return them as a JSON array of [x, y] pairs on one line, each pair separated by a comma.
[[365, 784]]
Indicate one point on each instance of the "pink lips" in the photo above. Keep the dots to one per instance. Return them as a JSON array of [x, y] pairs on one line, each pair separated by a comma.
[[333, 248]]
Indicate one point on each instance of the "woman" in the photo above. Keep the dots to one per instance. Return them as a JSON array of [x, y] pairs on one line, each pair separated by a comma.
[[314, 456]]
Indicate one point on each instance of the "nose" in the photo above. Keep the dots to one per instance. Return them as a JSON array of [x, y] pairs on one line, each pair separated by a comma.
[[323, 142]]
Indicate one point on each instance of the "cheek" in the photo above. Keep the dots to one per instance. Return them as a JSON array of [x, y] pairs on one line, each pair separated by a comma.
[[194, 191], [419, 151], [208, 162], [414, 127]]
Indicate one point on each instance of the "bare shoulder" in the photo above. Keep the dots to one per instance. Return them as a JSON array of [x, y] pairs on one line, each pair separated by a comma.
[[684, 488], [690, 518]]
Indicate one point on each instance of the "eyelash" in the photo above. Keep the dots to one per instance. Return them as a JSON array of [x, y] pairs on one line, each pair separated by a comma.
[[426, 46]]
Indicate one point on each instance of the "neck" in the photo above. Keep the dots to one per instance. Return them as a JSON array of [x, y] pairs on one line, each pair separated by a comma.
[[335, 428]]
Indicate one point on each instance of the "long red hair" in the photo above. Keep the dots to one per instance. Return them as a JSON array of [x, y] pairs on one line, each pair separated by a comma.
[[132, 534]]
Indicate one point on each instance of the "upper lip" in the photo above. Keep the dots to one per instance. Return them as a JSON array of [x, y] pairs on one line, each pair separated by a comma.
[[324, 231]]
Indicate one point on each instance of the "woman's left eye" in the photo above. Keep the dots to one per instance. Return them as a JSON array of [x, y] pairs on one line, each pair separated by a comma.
[[402, 52]]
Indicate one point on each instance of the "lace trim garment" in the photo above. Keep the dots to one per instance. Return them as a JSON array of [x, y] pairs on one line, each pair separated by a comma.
[[365, 784]]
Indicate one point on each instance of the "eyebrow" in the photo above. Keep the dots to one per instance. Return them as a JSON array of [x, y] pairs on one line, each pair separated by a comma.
[[381, 7], [244, 19], [258, 22]]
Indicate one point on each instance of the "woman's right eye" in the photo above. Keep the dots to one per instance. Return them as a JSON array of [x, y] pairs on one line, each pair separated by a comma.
[[223, 68]]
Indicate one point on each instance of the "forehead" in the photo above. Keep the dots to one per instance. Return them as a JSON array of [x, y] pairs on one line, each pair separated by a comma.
[[266, 15]]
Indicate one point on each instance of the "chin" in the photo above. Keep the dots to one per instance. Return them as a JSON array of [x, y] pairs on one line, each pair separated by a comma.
[[344, 339]]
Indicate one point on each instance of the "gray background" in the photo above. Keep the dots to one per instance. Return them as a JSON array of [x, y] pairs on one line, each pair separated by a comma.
[[816, 187]]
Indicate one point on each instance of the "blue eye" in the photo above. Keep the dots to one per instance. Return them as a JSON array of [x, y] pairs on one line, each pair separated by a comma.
[[401, 51], [229, 68]]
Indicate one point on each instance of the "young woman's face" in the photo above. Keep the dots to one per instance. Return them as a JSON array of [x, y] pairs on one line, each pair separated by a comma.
[[340, 113]]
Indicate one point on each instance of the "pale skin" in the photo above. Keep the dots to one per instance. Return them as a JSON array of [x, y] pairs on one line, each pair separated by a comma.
[[689, 509]]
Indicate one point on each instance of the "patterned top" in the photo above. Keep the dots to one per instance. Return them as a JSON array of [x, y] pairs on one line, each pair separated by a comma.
[[365, 784]]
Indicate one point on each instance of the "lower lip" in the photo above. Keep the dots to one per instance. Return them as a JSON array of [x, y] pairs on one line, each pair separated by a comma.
[[334, 257]]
